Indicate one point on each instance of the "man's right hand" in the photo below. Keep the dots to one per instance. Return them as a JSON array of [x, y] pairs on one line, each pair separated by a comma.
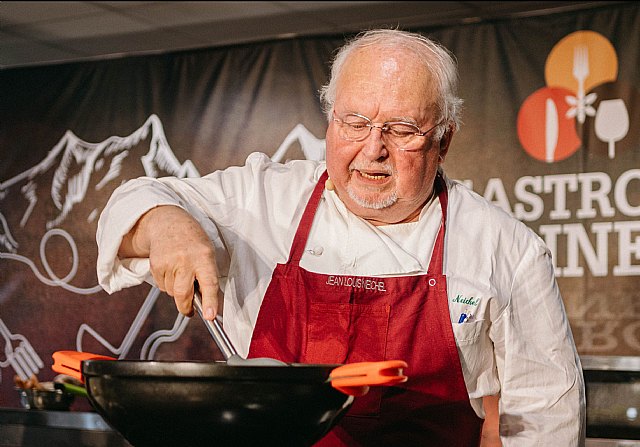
[[180, 253]]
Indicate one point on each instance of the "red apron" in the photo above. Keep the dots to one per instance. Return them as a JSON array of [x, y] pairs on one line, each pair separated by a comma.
[[308, 317]]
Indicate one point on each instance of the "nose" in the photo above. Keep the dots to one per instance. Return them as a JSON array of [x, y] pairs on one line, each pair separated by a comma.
[[374, 146]]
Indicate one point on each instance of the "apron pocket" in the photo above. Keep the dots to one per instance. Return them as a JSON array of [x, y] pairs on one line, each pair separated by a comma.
[[349, 333], [327, 333]]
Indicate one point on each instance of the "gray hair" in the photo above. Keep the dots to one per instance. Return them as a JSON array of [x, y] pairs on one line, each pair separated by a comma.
[[438, 61]]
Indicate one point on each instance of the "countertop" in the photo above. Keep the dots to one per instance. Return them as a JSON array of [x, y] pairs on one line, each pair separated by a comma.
[[37, 428]]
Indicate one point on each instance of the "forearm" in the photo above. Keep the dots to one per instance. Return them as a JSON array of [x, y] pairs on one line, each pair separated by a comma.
[[128, 203], [154, 223], [179, 252]]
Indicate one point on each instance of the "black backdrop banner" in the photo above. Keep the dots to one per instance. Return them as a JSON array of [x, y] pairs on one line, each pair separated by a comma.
[[551, 134]]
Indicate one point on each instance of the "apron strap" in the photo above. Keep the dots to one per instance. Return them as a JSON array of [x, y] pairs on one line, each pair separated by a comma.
[[436, 265], [300, 239]]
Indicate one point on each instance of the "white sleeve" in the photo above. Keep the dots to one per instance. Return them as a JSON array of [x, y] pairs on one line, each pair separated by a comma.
[[209, 199], [223, 202], [542, 388], [126, 205]]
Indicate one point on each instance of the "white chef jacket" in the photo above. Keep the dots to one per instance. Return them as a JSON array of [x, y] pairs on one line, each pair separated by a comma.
[[508, 317]]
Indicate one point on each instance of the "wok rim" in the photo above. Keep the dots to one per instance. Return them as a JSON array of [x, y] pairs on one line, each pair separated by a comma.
[[295, 372]]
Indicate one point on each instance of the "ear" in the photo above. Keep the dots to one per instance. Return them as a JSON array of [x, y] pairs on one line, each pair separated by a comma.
[[445, 141]]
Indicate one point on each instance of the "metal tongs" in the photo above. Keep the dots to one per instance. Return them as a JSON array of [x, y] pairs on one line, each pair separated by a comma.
[[223, 341]]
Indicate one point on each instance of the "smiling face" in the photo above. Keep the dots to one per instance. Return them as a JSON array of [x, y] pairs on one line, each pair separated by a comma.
[[378, 183]]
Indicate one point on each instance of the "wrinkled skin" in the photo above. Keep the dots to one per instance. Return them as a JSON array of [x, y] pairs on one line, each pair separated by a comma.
[[179, 253], [382, 84]]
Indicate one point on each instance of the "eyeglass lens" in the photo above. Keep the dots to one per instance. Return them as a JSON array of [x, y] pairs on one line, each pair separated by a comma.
[[398, 134]]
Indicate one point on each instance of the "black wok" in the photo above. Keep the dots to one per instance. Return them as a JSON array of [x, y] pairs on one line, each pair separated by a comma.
[[161, 403], [192, 404], [239, 402]]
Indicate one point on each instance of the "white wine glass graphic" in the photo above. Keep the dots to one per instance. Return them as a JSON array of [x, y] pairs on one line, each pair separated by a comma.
[[611, 123]]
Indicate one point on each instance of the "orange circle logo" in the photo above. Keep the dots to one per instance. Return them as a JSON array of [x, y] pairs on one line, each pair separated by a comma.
[[544, 129], [548, 118]]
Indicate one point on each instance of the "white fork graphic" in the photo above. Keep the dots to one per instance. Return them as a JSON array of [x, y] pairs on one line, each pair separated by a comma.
[[23, 358], [580, 73]]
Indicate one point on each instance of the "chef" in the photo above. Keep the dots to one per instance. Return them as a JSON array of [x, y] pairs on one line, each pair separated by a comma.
[[375, 254]]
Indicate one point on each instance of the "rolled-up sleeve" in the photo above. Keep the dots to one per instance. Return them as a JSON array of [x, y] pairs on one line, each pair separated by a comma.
[[126, 205], [220, 202]]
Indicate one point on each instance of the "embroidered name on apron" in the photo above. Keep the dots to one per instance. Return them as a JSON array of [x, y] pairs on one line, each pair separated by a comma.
[[356, 283]]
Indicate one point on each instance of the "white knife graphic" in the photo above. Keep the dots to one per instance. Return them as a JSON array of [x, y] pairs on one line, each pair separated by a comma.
[[550, 130]]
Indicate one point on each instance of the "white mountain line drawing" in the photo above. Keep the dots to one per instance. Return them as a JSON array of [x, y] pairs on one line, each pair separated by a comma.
[[313, 148], [91, 157], [6, 239]]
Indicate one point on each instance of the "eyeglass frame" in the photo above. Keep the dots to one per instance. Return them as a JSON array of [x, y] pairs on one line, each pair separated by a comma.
[[385, 127]]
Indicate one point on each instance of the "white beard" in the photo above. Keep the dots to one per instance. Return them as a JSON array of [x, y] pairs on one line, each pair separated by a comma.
[[377, 205]]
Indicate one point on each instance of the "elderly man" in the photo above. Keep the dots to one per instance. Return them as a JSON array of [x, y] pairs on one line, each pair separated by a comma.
[[373, 255]]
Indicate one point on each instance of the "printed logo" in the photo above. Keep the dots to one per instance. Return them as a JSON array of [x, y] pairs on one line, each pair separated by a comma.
[[549, 118]]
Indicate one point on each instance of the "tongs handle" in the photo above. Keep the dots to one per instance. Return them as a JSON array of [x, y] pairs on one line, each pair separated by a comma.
[[215, 329]]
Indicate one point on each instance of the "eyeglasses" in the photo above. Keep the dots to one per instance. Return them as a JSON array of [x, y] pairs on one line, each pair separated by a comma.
[[396, 134]]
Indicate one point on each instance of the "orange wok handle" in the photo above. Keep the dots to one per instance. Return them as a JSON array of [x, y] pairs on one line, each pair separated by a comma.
[[356, 378], [70, 362]]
